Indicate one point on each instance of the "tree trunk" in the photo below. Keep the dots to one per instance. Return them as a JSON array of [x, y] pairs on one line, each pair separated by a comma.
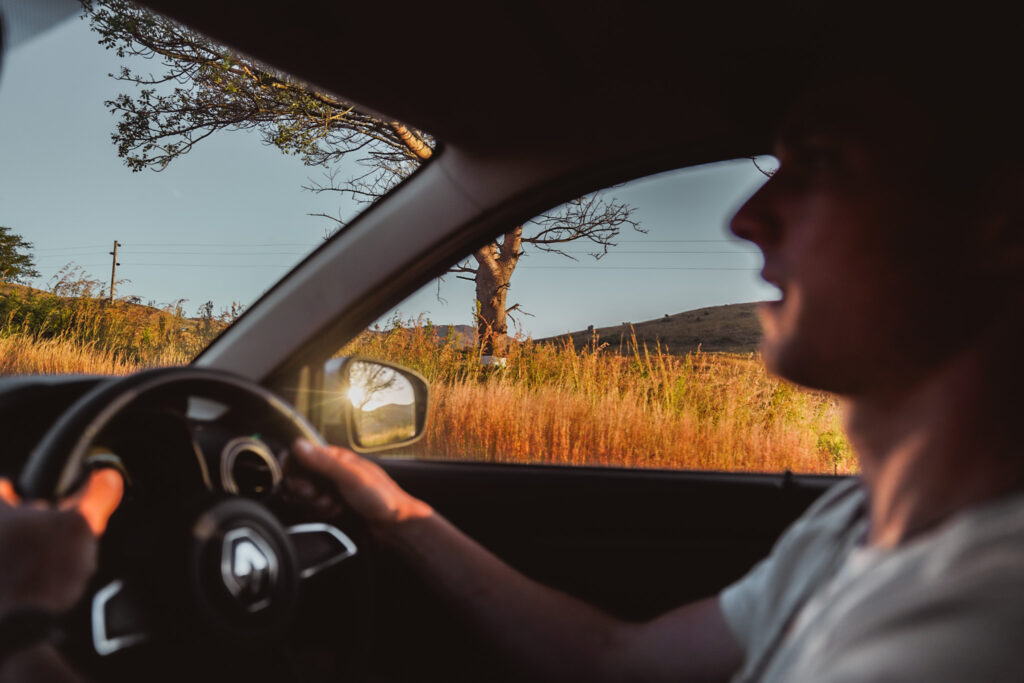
[[497, 262], [491, 321]]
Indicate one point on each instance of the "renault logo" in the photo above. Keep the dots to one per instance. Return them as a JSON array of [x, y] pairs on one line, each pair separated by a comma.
[[248, 567]]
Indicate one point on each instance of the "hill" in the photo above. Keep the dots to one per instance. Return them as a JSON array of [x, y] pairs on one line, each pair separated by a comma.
[[464, 335], [75, 313], [733, 328]]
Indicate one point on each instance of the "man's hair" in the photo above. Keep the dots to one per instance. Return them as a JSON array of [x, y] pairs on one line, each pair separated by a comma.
[[969, 96]]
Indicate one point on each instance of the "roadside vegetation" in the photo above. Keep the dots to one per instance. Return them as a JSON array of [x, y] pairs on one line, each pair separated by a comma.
[[557, 401], [72, 327], [616, 405]]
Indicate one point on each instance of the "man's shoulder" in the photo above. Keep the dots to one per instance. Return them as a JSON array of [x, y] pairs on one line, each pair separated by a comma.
[[845, 497], [832, 516], [949, 606], [758, 605], [987, 538]]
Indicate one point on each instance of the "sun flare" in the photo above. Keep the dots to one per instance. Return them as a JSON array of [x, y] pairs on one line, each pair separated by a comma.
[[357, 395]]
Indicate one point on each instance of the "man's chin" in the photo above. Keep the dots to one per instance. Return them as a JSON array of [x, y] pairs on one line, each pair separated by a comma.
[[799, 365], [785, 357], [768, 315]]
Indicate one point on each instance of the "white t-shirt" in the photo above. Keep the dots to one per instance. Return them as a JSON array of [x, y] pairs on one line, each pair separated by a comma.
[[946, 606]]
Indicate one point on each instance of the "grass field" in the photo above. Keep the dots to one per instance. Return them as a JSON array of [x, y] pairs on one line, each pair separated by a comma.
[[562, 402], [639, 407], [73, 328]]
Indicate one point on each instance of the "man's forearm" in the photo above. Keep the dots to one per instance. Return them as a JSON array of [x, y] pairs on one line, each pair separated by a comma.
[[552, 634]]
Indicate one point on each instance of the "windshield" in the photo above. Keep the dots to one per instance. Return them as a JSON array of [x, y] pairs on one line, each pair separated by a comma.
[[154, 184]]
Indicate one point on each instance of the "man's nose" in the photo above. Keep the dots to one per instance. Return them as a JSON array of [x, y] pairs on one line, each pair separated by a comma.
[[757, 220]]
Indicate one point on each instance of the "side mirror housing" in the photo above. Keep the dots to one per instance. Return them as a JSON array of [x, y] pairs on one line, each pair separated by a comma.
[[370, 405]]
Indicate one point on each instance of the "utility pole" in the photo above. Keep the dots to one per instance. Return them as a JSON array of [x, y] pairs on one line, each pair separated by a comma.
[[113, 270]]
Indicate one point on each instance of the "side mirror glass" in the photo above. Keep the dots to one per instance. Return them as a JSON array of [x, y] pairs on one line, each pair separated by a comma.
[[370, 405]]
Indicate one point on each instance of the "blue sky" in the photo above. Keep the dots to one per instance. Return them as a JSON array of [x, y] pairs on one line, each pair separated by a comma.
[[64, 189], [685, 260], [228, 219]]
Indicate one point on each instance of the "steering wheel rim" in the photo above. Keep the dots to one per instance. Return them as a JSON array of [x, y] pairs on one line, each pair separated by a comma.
[[55, 465]]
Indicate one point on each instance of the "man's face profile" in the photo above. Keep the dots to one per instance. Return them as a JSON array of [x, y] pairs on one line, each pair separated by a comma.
[[857, 239]]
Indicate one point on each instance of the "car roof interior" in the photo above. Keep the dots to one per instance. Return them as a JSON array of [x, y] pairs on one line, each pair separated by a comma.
[[529, 74], [485, 76]]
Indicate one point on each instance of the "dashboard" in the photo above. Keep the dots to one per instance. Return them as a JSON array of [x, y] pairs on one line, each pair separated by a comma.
[[224, 451], [201, 482]]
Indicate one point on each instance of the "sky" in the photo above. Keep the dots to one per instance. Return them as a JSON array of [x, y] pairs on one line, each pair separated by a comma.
[[195, 230], [224, 222]]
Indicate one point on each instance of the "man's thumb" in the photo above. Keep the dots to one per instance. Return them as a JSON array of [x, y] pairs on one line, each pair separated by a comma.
[[99, 498]]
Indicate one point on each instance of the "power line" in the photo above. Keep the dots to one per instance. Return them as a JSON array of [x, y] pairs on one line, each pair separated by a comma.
[[83, 246], [313, 244], [253, 245], [175, 253], [237, 245], [289, 265], [635, 268], [226, 244], [197, 265], [612, 251], [220, 253], [70, 256], [300, 253]]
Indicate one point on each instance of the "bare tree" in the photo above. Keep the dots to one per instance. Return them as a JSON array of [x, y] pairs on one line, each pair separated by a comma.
[[370, 380], [592, 218], [203, 87]]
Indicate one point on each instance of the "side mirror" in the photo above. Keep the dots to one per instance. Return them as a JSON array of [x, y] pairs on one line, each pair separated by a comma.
[[370, 405]]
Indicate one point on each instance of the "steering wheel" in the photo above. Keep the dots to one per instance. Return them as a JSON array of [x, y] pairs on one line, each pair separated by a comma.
[[218, 575]]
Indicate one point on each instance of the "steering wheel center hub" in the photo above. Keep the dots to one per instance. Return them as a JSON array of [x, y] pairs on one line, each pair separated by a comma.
[[242, 569], [248, 567]]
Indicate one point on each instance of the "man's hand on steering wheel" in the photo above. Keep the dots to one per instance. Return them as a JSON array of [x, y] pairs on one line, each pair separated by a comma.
[[49, 554], [227, 577], [324, 477], [50, 549]]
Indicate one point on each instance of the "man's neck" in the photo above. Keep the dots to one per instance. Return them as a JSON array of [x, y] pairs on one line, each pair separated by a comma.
[[934, 449]]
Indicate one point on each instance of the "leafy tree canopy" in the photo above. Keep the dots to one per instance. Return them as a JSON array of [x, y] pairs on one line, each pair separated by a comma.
[[16, 261], [201, 87]]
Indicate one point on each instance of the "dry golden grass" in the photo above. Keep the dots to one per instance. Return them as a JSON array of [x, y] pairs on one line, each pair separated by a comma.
[[552, 404], [73, 328], [504, 423], [23, 355], [591, 406]]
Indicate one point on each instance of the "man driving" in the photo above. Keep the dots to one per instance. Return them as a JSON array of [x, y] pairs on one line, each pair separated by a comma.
[[913, 572]]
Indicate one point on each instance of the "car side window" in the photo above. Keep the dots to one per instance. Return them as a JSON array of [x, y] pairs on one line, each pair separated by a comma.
[[619, 329]]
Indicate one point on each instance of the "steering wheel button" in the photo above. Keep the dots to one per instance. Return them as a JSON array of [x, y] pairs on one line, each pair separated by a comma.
[[319, 546], [117, 622]]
